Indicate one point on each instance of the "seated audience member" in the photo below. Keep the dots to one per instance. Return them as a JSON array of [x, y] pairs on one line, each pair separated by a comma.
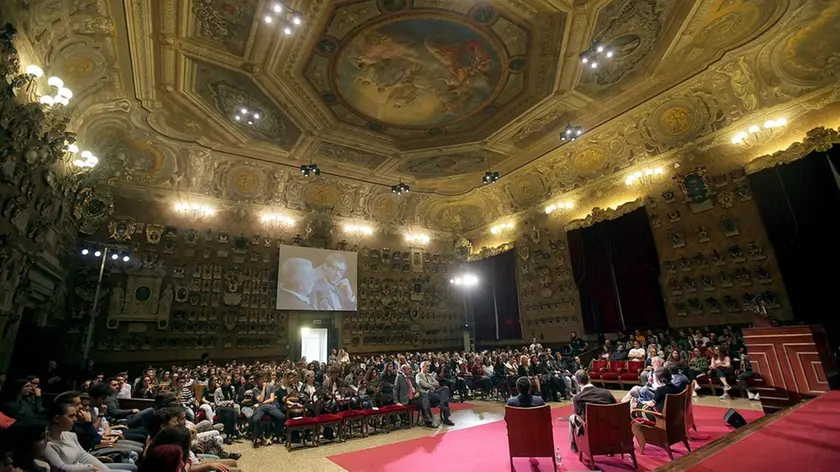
[[22, 446], [63, 451], [438, 396], [588, 394], [638, 337], [23, 400], [525, 399], [92, 431], [183, 390], [721, 368], [698, 366], [145, 389], [124, 388], [100, 394], [181, 437], [226, 408], [745, 374], [52, 380], [207, 402], [405, 392], [266, 404], [116, 414], [620, 353], [655, 362], [605, 353], [637, 353], [166, 458]]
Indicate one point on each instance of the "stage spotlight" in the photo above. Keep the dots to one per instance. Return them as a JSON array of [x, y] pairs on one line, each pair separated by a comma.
[[97, 253], [85, 252]]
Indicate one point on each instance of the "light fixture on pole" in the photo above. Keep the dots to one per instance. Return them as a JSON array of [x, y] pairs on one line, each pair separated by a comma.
[[400, 188], [104, 253], [595, 55], [465, 282], [310, 169]]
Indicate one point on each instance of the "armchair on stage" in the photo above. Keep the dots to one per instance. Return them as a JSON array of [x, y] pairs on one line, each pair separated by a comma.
[[667, 428], [530, 436], [606, 431]]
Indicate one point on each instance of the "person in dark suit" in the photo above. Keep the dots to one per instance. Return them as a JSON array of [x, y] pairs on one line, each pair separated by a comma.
[[588, 394], [297, 278], [405, 392], [525, 399]]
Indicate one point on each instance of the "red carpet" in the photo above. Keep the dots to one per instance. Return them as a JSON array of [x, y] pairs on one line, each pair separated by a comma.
[[484, 448], [806, 439]]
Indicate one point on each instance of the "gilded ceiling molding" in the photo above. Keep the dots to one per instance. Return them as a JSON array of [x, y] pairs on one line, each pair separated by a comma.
[[598, 214], [486, 251], [817, 140]]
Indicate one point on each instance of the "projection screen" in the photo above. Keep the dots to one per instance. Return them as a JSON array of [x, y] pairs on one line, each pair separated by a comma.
[[316, 279]]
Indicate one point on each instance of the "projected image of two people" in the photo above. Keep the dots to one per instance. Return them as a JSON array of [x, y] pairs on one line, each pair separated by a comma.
[[316, 279]]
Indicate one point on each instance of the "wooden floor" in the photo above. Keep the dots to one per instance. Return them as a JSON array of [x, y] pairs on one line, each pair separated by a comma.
[[276, 458]]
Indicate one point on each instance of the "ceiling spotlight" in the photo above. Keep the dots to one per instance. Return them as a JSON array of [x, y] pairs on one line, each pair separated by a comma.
[[571, 133], [268, 19], [72, 148], [32, 69], [256, 116], [97, 253], [244, 111], [115, 256], [55, 82], [85, 252], [126, 258], [278, 8], [47, 100], [237, 117], [490, 177], [309, 169], [400, 188], [296, 19], [594, 65], [65, 92], [250, 122], [609, 54], [287, 30]]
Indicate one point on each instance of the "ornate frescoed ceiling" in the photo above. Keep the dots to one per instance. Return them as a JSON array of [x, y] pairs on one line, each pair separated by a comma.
[[430, 92]]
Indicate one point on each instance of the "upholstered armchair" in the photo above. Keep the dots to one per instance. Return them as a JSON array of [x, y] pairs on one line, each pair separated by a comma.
[[606, 430], [667, 428], [530, 434]]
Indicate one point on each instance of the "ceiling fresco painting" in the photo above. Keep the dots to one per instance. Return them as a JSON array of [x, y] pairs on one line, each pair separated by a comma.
[[429, 92]]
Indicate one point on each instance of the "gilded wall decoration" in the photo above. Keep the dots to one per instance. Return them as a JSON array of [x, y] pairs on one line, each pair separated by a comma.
[[448, 165]]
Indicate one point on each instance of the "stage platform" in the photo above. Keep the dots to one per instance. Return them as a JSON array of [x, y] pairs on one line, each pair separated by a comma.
[[803, 438]]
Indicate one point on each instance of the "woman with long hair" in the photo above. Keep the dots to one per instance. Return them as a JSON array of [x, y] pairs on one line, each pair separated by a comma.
[[224, 398], [63, 451], [166, 458], [721, 367], [22, 399]]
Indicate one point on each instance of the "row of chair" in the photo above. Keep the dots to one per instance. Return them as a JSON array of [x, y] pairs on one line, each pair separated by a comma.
[[347, 424], [607, 373]]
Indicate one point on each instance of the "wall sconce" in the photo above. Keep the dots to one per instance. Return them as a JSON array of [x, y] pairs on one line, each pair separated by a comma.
[[644, 177], [417, 239], [558, 206], [755, 134], [361, 230], [277, 221], [194, 211], [61, 94], [501, 228]]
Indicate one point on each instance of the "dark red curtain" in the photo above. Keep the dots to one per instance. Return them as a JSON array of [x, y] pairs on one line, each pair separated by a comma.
[[799, 205], [616, 269]]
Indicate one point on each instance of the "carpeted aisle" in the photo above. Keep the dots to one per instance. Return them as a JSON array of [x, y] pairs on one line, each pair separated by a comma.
[[806, 439], [484, 448]]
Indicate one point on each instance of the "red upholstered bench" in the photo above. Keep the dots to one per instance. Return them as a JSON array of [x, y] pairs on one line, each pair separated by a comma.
[[613, 372], [374, 419], [350, 418], [302, 425], [325, 421], [633, 374], [598, 366]]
